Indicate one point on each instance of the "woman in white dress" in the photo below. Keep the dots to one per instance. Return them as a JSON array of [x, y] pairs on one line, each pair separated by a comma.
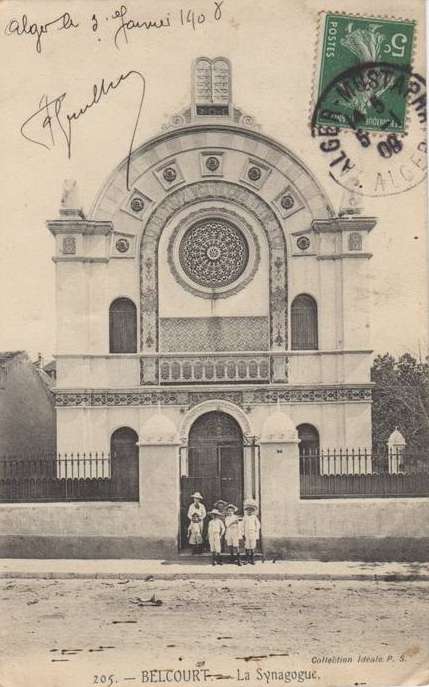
[[197, 506]]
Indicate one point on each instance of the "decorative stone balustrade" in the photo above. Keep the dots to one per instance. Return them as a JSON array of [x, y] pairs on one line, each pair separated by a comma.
[[221, 368]]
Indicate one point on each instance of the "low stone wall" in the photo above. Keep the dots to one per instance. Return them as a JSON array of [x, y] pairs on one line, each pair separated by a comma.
[[85, 530], [337, 529], [366, 529]]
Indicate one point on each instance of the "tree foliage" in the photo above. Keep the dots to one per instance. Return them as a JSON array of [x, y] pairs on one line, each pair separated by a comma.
[[400, 399]]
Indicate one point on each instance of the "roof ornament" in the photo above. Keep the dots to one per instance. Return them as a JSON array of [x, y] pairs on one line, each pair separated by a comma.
[[211, 101], [351, 201], [70, 203]]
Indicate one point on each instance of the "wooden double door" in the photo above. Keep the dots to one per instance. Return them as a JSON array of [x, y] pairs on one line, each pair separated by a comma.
[[214, 464]]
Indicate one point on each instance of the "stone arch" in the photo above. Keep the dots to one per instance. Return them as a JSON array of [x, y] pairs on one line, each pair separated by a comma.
[[190, 195], [148, 155], [215, 405]]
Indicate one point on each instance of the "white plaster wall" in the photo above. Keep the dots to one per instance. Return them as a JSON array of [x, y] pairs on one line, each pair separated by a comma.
[[90, 429], [356, 303], [361, 518], [72, 306], [340, 425], [333, 518], [117, 371]]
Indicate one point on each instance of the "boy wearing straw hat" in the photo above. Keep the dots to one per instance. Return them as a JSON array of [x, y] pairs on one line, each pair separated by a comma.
[[215, 532], [251, 529], [233, 532]]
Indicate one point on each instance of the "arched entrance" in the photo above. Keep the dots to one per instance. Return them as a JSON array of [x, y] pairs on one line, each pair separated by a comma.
[[215, 463], [124, 454]]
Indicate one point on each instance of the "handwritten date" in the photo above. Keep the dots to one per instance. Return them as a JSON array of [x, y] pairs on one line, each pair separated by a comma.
[[120, 21]]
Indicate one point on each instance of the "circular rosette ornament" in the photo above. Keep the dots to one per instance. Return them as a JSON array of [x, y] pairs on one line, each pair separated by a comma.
[[213, 253]]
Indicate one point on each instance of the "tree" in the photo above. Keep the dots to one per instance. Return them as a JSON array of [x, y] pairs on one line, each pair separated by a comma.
[[400, 399]]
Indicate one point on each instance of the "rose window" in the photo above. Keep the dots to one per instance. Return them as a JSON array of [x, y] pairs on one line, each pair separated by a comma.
[[213, 253]]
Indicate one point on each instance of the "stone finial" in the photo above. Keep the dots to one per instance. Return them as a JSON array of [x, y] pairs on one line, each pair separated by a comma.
[[351, 202], [396, 439], [70, 203], [396, 452]]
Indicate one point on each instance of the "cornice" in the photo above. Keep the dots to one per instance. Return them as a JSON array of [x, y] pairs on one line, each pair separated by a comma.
[[77, 258], [74, 226], [340, 224], [344, 256]]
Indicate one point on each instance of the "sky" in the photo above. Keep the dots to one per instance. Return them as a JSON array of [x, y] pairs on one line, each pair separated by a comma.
[[272, 47]]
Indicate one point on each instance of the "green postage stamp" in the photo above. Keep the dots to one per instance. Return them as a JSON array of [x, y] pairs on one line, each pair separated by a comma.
[[365, 65]]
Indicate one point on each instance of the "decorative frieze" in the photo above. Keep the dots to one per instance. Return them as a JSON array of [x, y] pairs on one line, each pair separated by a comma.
[[244, 398]]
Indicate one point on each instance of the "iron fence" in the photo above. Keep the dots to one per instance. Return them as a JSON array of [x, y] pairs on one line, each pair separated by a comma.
[[62, 477], [355, 473]]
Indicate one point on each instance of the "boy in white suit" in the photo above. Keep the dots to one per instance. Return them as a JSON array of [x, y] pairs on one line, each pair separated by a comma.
[[215, 532], [251, 530], [233, 532]]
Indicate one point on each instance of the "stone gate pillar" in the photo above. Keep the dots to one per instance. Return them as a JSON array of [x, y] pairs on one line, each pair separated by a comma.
[[160, 486], [280, 483]]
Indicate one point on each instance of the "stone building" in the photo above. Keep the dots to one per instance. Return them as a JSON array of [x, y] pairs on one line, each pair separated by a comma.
[[27, 408], [208, 318]]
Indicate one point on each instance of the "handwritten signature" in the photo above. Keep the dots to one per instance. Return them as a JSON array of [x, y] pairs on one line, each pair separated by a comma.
[[51, 117]]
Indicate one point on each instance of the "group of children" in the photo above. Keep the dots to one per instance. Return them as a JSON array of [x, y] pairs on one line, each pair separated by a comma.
[[224, 523]]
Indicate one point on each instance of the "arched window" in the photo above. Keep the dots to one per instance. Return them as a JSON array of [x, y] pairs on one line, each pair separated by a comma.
[[304, 323], [308, 436], [309, 449], [124, 454], [122, 326]]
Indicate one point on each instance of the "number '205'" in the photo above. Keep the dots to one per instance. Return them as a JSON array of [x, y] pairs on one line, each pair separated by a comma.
[[107, 680]]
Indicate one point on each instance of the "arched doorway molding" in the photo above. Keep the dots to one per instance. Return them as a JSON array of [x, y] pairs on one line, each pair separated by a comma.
[[216, 405]]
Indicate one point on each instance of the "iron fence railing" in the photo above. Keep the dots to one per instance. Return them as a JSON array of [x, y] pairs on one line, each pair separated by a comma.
[[324, 473], [351, 473], [63, 477]]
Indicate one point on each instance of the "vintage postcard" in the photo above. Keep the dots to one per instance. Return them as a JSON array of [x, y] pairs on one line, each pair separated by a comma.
[[214, 371]]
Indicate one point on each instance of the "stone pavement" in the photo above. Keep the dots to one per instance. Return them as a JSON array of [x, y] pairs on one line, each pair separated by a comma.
[[189, 569]]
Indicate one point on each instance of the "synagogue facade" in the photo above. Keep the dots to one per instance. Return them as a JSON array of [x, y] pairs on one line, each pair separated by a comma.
[[216, 309]]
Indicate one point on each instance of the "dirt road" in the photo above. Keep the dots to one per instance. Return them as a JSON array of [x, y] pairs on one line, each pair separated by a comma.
[[86, 632]]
